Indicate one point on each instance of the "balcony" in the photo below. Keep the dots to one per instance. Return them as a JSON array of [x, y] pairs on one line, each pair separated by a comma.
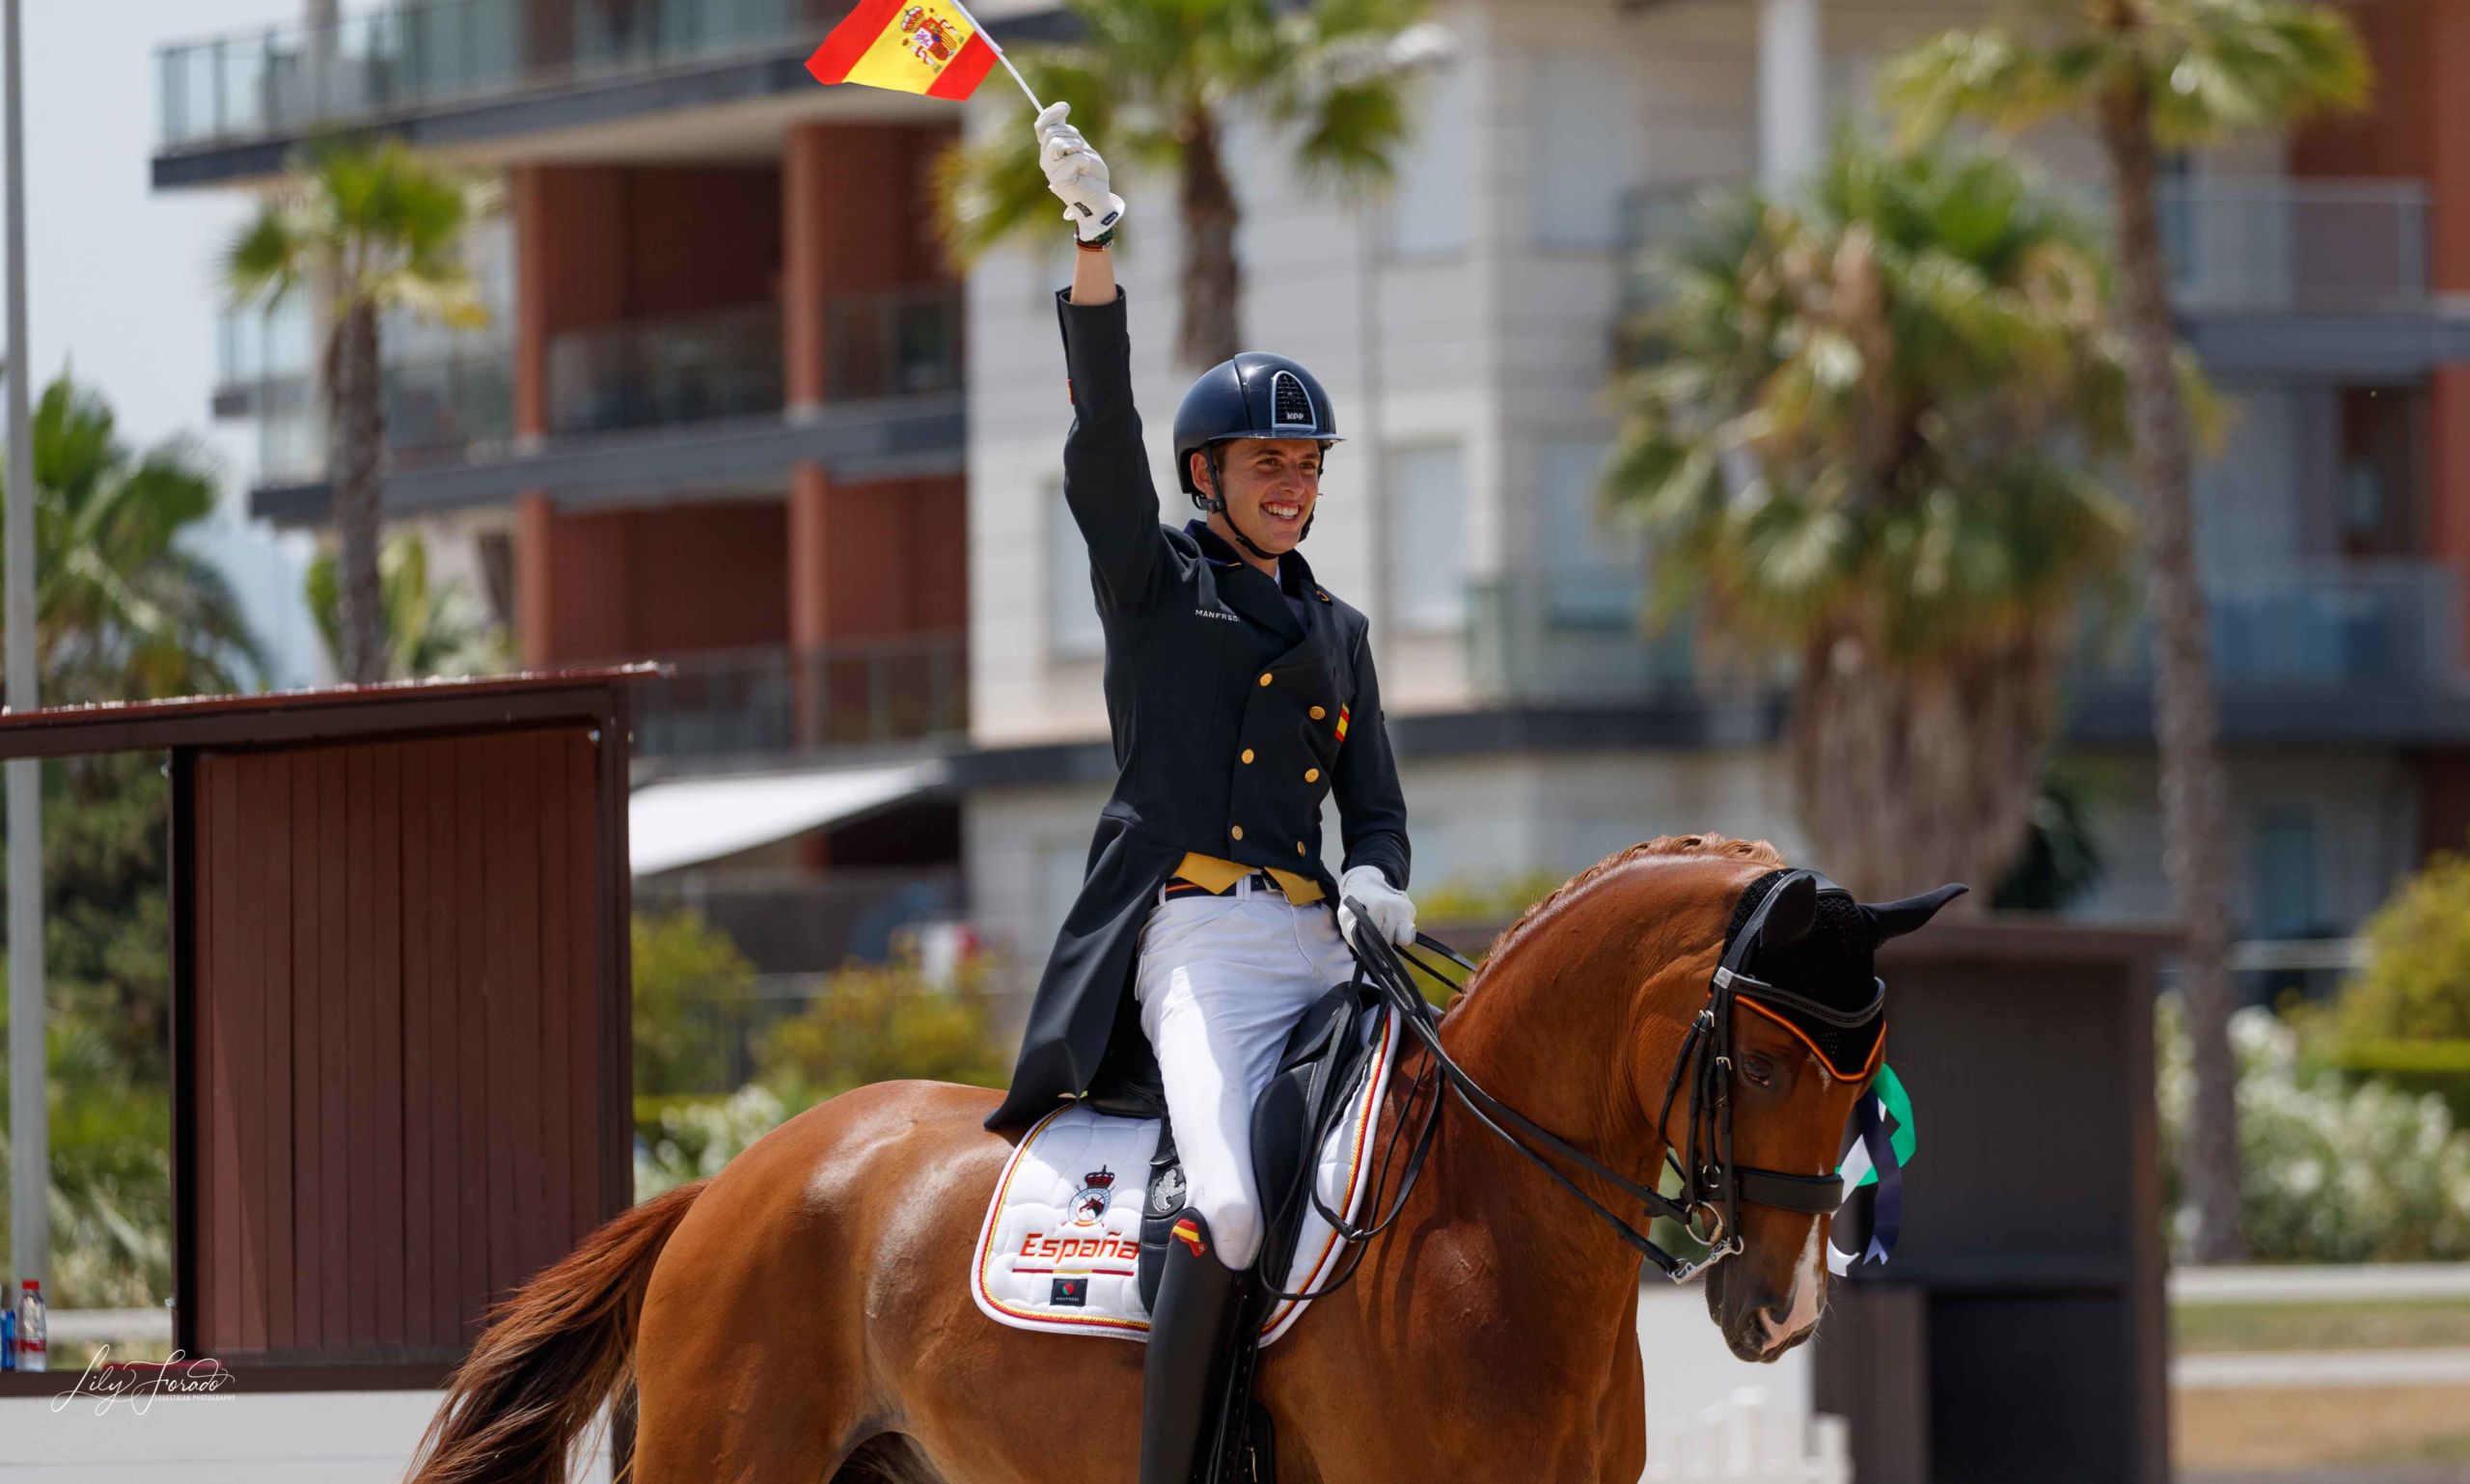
[[437, 408], [292, 80], [2264, 245], [869, 694], [2384, 638], [2274, 245], [1576, 637], [2393, 624], [900, 343], [660, 373]]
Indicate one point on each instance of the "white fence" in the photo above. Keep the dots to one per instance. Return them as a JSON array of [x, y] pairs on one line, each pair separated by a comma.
[[1747, 1438]]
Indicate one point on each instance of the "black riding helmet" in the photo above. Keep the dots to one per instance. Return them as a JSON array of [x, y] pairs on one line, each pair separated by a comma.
[[1254, 396]]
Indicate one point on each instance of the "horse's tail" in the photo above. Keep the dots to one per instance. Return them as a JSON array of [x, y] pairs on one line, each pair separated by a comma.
[[550, 1356]]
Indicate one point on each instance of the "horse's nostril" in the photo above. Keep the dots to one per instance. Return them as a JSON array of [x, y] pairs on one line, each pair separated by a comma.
[[1775, 1323]]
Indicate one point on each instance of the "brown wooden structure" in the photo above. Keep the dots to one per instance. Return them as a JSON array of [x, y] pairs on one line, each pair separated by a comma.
[[2021, 1331], [401, 988]]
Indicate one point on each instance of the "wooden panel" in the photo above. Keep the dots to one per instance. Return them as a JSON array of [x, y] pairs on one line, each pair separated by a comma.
[[267, 804], [399, 1019], [308, 1149]]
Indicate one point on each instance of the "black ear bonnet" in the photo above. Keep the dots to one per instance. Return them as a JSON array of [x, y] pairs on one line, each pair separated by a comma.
[[1815, 944]]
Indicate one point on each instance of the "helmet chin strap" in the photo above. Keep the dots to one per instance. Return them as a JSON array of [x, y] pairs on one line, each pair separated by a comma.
[[1216, 504]]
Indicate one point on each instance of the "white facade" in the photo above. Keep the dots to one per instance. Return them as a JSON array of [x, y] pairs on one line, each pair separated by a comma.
[[1464, 327]]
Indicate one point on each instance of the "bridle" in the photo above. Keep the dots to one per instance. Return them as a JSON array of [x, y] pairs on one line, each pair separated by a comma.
[[1712, 1186]]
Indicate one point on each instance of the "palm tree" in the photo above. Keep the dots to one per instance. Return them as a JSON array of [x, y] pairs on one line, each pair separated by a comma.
[[369, 228], [1155, 83], [2152, 75], [122, 610], [1859, 435], [429, 630]]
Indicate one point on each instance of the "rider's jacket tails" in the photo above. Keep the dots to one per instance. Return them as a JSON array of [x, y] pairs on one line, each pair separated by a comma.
[[1232, 722]]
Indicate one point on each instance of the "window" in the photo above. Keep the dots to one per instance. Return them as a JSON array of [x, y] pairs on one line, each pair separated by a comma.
[[2283, 857], [1428, 208], [1073, 632], [1585, 152], [1591, 566], [1428, 482]]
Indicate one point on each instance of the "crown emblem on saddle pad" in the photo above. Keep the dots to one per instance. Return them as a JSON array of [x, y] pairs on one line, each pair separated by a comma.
[[1097, 1191]]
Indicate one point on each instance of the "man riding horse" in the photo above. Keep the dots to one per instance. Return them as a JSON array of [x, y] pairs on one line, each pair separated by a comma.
[[1240, 694]]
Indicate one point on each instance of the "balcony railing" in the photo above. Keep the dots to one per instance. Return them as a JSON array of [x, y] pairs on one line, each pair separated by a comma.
[[1577, 636], [2261, 245], [654, 373], [2274, 245], [434, 406], [289, 80], [905, 342], [2396, 623], [783, 699]]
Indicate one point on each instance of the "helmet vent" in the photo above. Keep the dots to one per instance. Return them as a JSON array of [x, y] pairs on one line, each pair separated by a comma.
[[1290, 405]]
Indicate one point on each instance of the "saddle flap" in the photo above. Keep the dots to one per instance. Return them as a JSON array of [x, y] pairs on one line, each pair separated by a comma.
[[1323, 1064]]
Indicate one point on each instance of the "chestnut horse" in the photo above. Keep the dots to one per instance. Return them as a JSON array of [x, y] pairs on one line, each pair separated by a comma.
[[805, 1315]]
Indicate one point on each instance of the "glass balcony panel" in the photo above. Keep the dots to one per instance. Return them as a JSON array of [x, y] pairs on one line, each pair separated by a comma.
[[295, 78], [2363, 624], [1576, 635], [2259, 245], [2284, 245], [860, 694], [652, 374], [902, 343]]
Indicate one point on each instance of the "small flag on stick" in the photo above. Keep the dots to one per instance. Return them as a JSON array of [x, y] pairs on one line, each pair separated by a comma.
[[931, 46]]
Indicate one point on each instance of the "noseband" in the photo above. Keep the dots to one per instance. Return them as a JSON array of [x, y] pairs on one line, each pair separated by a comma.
[[1712, 1187]]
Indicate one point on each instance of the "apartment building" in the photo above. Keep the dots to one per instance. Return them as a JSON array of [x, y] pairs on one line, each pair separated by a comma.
[[717, 419], [737, 414], [1463, 325]]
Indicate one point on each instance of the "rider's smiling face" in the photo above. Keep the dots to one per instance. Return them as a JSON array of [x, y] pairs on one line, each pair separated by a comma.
[[1271, 486]]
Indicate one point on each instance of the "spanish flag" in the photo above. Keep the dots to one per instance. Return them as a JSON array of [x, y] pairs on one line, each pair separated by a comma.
[[929, 46]]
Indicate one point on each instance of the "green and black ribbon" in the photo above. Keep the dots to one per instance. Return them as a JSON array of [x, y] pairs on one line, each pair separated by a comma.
[[1878, 1143]]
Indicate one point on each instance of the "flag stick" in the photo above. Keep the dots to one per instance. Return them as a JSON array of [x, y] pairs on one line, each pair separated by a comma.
[[988, 37]]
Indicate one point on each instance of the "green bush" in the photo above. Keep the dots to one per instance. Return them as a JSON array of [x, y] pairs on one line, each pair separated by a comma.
[[878, 1021], [682, 1139], [685, 971], [2440, 1067], [2416, 985], [2332, 1170]]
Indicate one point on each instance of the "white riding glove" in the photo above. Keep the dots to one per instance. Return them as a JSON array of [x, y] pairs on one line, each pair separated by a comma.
[[1385, 906], [1076, 175]]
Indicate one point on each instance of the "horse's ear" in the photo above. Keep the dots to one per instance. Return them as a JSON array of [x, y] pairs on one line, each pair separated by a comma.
[[1894, 919], [1791, 913]]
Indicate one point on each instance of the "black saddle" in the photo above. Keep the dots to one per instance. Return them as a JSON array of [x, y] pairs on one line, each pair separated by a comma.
[[1326, 1060]]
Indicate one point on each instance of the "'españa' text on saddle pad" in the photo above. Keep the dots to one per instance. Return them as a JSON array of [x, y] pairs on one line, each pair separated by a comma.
[[1059, 1250]]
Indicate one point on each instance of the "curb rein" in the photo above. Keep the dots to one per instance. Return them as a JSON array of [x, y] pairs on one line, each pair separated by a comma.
[[1712, 1186]]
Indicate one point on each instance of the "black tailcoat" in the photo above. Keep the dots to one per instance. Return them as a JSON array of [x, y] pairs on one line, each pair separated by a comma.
[[1228, 715]]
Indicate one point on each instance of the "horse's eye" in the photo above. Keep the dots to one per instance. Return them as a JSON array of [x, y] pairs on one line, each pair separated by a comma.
[[1759, 1070]]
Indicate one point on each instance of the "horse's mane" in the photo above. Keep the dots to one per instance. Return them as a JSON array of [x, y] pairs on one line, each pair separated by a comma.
[[1754, 852]]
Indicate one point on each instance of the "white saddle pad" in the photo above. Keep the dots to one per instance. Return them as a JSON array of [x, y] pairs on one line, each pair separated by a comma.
[[1060, 1248]]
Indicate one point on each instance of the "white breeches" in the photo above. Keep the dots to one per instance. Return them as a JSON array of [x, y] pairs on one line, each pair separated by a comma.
[[1221, 981]]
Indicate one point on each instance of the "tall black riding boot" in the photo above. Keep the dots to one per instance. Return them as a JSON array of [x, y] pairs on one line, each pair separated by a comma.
[[1199, 1298]]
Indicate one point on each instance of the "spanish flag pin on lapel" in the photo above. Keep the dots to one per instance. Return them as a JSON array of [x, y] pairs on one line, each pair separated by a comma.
[[1343, 714]]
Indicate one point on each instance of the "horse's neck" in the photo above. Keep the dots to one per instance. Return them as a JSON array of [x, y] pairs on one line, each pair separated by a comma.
[[1556, 1044]]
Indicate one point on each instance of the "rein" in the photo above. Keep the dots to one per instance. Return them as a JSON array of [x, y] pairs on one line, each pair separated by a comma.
[[1712, 1186]]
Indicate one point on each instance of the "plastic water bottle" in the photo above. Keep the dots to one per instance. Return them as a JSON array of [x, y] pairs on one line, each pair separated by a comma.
[[32, 1325]]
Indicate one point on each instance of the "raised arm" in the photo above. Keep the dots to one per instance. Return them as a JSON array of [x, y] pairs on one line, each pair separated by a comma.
[[1106, 470]]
